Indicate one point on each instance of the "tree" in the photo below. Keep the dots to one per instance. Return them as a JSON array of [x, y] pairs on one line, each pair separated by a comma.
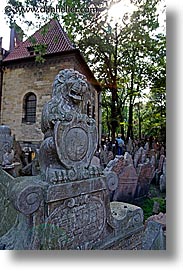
[[123, 56]]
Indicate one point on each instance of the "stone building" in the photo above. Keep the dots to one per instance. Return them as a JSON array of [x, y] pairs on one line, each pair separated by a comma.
[[26, 84]]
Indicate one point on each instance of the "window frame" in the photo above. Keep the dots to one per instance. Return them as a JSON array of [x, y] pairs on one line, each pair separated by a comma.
[[29, 108]]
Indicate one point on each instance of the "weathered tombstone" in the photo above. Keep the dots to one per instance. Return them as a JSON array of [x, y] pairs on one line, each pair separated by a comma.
[[145, 175], [143, 158], [138, 156], [153, 161], [154, 237], [159, 170], [156, 207], [160, 164], [103, 158], [146, 147], [127, 177], [162, 180], [128, 159], [129, 146], [7, 154], [68, 205], [110, 156], [6, 141], [7, 212]]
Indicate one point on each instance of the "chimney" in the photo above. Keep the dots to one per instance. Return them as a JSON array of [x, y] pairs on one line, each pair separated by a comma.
[[16, 36]]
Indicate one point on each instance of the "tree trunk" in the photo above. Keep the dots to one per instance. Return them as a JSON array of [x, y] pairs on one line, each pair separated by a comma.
[[130, 117], [130, 120], [114, 114]]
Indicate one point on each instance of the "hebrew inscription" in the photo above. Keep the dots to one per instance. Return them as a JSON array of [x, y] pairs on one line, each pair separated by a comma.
[[81, 219]]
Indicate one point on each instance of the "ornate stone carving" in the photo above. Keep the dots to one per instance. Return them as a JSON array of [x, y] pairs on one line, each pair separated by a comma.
[[6, 144], [82, 219], [26, 196], [70, 136]]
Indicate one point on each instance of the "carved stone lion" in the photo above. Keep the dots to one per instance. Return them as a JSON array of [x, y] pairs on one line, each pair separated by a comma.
[[69, 88], [70, 137]]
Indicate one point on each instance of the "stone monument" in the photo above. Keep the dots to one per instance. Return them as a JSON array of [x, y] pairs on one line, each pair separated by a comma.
[[7, 153], [6, 143], [145, 173], [68, 205], [127, 178]]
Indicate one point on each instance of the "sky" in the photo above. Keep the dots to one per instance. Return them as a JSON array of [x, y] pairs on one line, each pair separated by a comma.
[[4, 29]]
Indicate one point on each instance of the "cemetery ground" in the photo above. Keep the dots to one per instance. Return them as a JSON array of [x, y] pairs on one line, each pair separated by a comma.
[[147, 203]]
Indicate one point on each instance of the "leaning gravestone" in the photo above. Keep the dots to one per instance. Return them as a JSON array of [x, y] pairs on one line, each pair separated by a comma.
[[145, 173], [154, 237], [159, 170], [68, 206], [162, 180], [127, 178], [138, 156]]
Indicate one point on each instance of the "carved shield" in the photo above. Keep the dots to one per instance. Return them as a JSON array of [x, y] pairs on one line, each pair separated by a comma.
[[76, 142]]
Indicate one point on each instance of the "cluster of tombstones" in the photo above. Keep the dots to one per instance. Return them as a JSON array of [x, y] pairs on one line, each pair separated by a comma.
[[136, 170]]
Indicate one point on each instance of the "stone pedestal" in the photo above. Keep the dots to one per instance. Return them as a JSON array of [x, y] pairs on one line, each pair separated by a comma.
[[76, 215]]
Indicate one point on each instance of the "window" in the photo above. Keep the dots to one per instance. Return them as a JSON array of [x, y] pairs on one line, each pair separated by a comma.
[[29, 108]]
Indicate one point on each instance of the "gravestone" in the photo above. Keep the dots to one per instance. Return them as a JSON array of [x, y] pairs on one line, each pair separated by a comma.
[[162, 180], [68, 205], [7, 212], [154, 237], [156, 207], [127, 177], [145, 173], [138, 156], [6, 141], [159, 170], [7, 153], [129, 146]]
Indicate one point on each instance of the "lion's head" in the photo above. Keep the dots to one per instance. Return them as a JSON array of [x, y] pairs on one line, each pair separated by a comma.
[[70, 85]]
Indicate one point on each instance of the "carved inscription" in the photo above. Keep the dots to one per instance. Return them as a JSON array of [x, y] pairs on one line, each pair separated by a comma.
[[81, 219]]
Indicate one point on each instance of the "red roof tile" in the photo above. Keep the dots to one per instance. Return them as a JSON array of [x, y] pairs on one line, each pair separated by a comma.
[[55, 39]]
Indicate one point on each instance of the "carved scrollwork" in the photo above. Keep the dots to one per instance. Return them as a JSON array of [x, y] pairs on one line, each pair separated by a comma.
[[112, 180], [26, 197]]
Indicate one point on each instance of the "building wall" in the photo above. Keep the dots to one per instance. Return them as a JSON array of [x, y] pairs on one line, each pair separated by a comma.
[[24, 77]]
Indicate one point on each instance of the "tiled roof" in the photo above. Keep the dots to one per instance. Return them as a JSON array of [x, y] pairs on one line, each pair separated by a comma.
[[55, 39]]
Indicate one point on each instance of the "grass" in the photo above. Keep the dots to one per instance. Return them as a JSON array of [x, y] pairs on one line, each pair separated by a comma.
[[147, 206], [155, 196]]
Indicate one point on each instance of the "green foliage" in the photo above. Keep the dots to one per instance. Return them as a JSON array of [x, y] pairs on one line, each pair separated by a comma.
[[148, 203], [125, 57]]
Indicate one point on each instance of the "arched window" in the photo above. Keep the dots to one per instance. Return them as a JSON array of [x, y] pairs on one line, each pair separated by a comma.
[[29, 108]]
